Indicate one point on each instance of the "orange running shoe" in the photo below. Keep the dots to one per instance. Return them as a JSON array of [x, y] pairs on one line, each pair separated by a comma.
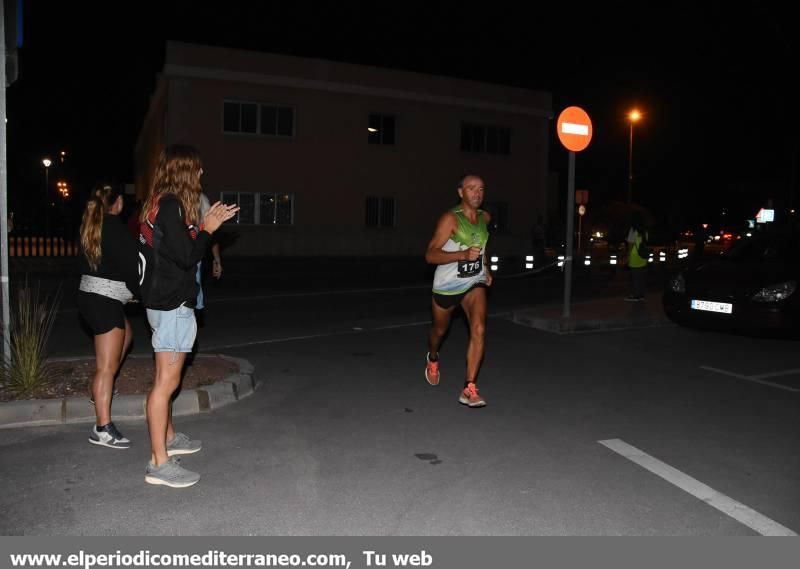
[[432, 370], [471, 397]]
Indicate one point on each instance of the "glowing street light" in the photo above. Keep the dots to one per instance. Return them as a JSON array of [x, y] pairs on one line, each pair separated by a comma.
[[633, 116], [46, 162]]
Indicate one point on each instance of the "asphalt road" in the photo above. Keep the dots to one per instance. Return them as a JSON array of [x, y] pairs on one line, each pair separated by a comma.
[[662, 431]]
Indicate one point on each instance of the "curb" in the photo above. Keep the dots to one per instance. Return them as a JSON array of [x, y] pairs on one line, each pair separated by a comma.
[[561, 325], [598, 315], [68, 410]]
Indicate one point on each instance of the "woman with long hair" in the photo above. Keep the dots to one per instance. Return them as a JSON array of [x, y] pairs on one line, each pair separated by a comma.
[[172, 241], [109, 280]]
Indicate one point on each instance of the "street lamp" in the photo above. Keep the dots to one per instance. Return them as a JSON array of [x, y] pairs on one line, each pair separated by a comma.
[[633, 116], [47, 162]]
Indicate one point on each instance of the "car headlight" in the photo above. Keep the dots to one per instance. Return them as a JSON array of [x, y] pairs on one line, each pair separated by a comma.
[[775, 293], [677, 284]]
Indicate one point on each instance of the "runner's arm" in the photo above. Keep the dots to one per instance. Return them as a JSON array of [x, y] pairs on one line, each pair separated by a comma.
[[444, 229], [489, 276]]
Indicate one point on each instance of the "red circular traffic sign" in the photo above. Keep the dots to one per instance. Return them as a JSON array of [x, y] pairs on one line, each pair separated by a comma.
[[574, 129]]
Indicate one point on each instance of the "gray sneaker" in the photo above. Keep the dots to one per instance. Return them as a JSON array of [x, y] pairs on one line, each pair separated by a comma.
[[108, 436], [182, 444], [170, 474]]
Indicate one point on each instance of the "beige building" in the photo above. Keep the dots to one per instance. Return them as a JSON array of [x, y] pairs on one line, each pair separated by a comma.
[[330, 158]]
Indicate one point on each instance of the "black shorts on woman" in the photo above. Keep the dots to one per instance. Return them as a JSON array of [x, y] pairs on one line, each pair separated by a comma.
[[100, 313]]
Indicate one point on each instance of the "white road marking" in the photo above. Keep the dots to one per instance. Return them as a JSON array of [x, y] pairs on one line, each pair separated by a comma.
[[317, 293], [395, 326], [278, 340], [723, 372], [777, 373], [757, 378], [353, 330], [725, 504]]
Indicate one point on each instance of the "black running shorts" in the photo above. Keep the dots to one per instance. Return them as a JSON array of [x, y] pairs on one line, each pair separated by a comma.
[[447, 301], [100, 313]]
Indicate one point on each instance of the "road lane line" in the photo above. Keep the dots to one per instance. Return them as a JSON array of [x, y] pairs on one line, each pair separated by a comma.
[[753, 378], [395, 326], [356, 330], [725, 504], [343, 292], [278, 340], [776, 374], [428, 322], [723, 372]]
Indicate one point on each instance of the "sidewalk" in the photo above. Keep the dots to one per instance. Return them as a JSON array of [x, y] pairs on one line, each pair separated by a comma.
[[598, 314], [40, 412]]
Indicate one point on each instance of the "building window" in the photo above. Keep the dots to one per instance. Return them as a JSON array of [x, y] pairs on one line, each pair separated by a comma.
[[231, 117], [277, 121], [253, 118], [265, 208], [381, 129], [499, 213], [380, 212], [488, 139]]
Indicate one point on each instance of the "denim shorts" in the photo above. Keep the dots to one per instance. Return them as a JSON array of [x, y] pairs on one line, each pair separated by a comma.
[[173, 330]]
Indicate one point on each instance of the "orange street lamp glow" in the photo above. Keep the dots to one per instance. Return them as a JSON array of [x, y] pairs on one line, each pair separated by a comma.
[[634, 116]]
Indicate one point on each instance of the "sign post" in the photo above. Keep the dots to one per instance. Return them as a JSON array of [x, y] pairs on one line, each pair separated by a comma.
[[581, 198], [574, 130], [5, 309], [581, 213]]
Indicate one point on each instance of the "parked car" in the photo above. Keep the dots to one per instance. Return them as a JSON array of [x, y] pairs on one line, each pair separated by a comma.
[[750, 288]]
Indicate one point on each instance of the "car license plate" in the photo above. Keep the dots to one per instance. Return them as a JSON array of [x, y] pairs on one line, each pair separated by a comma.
[[710, 306]]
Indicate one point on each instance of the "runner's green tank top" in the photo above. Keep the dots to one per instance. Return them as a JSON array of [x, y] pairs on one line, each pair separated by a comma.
[[460, 276]]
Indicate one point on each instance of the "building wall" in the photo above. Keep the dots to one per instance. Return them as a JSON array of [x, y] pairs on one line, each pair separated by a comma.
[[330, 167], [151, 140]]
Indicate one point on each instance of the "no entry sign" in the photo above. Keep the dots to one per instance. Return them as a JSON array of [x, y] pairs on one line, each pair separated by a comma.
[[574, 129]]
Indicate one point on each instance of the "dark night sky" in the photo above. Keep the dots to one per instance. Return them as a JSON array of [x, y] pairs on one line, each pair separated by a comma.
[[714, 83]]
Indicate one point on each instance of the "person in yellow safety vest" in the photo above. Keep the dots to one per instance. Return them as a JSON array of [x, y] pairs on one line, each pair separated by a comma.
[[637, 263]]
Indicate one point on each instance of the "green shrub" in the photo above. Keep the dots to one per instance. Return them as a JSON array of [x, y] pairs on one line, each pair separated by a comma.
[[31, 323]]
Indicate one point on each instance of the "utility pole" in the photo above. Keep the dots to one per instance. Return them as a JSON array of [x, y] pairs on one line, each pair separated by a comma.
[[5, 315]]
